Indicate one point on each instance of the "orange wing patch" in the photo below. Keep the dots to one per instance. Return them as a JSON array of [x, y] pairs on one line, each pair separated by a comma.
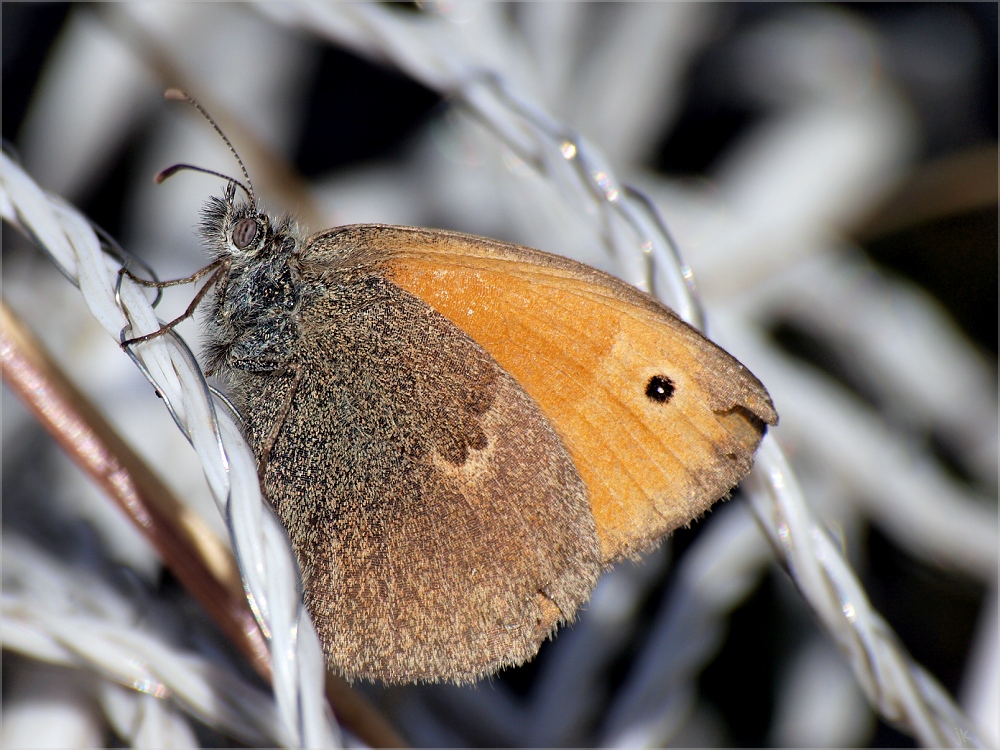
[[584, 346]]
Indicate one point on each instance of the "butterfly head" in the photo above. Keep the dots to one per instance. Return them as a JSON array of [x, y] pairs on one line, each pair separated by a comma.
[[240, 230], [236, 231]]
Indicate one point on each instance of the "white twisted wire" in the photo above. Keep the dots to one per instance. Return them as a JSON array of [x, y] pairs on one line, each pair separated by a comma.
[[927, 511], [901, 690], [260, 543], [440, 58], [445, 61], [63, 615]]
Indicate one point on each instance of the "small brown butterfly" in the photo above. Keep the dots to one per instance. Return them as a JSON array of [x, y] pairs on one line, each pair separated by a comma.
[[460, 434]]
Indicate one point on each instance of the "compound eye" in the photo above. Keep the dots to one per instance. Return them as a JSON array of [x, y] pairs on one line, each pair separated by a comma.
[[244, 233]]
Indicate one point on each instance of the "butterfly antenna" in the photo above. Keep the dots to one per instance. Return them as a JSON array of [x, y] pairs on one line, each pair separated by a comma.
[[170, 171], [178, 95]]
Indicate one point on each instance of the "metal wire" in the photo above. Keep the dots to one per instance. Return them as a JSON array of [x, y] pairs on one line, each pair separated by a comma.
[[261, 546], [66, 615]]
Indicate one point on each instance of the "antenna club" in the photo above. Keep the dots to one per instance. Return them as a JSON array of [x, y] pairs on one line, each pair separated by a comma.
[[175, 95], [168, 172]]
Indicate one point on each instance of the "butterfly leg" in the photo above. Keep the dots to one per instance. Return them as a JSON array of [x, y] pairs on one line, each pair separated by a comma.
[[218, 270], [173, 282], [272, 437]]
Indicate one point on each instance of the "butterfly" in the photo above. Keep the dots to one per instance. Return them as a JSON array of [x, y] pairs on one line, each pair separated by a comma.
[[460, 434]]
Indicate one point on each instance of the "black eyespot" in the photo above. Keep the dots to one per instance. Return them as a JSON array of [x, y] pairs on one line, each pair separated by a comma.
[[660, 389], [244, 233]]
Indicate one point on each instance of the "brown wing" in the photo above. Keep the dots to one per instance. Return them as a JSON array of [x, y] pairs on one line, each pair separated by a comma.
[[587, 348], [441, 527]]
